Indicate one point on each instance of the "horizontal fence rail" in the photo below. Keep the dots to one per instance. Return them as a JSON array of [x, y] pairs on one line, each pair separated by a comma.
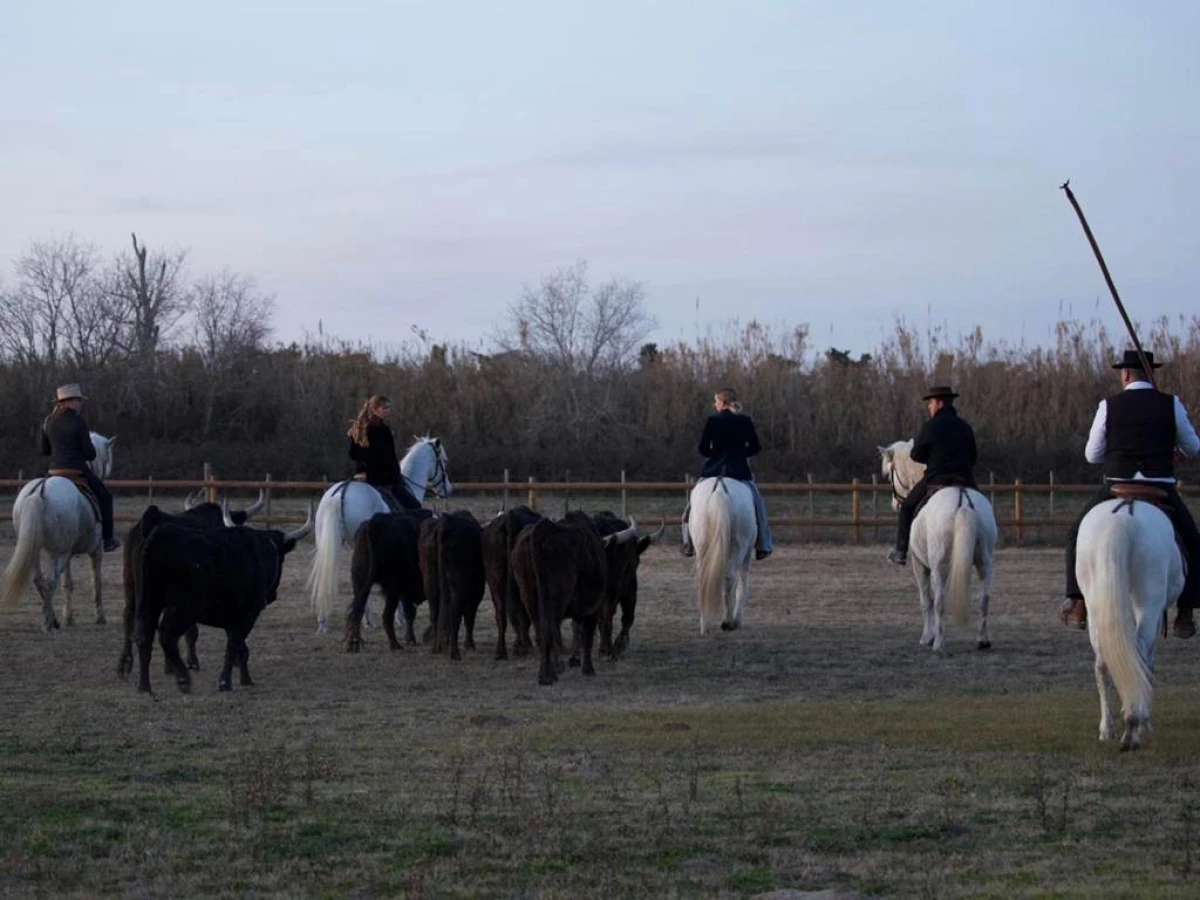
[[860, 516]]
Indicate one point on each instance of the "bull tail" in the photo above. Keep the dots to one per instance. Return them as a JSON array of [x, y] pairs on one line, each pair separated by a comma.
[[712, 556], [962, 560], [547, 625], [323, 576], [25, 556]]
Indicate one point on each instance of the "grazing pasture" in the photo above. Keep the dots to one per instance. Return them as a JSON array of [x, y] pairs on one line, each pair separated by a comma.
[[817, 747]]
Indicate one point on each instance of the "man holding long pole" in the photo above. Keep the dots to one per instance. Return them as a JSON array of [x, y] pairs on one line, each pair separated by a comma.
[[1137, 435]]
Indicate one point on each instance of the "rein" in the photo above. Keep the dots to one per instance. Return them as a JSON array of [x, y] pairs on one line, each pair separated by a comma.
[[438, 479]]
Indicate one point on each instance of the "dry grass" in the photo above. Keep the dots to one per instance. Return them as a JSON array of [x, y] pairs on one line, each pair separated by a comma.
[[818, 747]]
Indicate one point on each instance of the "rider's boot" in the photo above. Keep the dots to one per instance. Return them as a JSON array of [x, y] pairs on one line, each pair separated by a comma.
[[1074, 613], [1185, 625]]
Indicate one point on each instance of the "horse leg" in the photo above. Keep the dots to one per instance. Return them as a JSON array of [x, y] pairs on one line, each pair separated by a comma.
[[233, 655], [742, 593], [1108, 729], [985, 598], [410, 620], [925, 591], [68, 584], [169, 632], [46, 588], [938, 579], [729, 592], [391, 603]]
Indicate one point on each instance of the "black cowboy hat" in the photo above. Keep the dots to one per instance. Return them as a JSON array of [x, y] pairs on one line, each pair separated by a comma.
[[940, 392], [1131, 360]]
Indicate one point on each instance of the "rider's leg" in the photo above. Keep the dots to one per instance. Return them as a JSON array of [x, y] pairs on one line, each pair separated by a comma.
[[908, 510], [762, 542], [404, 496], [105, 501], [1185, 526], [1074, 612]]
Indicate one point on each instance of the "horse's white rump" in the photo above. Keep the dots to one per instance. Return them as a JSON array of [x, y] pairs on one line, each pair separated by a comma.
[[722, 527], [51, 514], [347, 505], [1129, 571], [954, 533]]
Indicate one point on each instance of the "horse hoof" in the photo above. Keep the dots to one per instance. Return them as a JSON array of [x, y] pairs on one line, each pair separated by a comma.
[[985, 645]]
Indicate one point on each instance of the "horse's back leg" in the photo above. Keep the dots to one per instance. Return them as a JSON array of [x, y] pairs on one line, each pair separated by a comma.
[[938, 576], [68, 583], [984, 571], [925, 593], [742, 593], [1108, 730], [97, 590]]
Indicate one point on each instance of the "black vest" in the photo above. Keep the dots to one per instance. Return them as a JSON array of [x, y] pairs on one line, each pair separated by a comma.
[[1139, 435]]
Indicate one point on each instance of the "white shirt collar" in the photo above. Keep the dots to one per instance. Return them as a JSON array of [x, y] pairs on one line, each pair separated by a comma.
[[1139, 386]]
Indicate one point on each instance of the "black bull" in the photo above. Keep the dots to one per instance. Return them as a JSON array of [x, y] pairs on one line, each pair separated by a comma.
[[451, 557], [200, 516], [385, 553], [223, 578]]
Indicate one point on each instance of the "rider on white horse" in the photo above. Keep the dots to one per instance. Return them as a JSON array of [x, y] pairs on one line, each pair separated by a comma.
[[1136, 435], [373, 449], [946, 445], [729, 439], [67, 440]]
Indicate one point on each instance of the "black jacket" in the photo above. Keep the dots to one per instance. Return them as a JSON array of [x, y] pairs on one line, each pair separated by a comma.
[[728, 440], [377, 460], [946, 445], [67, 441]]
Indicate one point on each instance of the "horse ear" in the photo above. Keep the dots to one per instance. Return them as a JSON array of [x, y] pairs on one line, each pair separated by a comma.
[[885, 452], [112, 440]]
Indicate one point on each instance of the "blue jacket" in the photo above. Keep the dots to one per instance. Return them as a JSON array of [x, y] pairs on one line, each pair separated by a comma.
[[728, 441]]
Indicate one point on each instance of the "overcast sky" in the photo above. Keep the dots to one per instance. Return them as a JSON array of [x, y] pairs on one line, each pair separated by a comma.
[[383, 165]]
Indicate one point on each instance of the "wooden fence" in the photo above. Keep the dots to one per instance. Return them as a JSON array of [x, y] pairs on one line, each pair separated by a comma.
[[867, 503]]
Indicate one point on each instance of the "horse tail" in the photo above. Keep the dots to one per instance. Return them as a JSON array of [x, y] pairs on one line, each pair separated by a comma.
[[712, 562], [962, 559], [1110, 613], [25, 555], [323, 576]]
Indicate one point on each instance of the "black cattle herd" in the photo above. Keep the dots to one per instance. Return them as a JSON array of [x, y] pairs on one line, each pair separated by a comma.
[[206, 567]]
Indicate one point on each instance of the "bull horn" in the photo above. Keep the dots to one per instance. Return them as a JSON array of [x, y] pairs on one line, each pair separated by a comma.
[[304, 529], [258, 504], [626, 534], [191, 501], [229, 523], [658, 535]]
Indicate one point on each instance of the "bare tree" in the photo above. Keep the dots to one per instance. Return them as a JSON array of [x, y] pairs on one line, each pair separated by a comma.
[[153, 290], [565, 323], [54, 278]]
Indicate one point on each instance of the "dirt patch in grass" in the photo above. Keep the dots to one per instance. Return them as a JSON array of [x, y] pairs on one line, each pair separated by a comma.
[[816, 748]]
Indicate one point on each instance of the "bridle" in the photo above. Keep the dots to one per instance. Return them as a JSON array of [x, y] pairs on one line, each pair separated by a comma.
[[438, 479], [896, 483]]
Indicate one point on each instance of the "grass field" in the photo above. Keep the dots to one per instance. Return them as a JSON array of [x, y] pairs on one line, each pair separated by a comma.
[[816, 748]]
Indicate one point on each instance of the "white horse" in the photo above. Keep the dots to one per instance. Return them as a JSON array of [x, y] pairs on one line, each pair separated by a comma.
[[954, 532], [1130, 571], [722, 526], [51, 514], [347, 504]]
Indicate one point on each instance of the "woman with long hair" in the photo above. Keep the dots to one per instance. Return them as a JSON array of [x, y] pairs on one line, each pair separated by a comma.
[[373, 449]]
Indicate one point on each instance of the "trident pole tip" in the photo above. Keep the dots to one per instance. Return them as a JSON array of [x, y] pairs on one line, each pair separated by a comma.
[[1065, 185]]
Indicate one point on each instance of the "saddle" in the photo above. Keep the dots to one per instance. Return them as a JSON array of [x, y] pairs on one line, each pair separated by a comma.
[[78, 479], [951, 481], [1129, 491]]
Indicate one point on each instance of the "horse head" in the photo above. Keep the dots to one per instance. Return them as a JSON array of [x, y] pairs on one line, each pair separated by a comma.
[[102, 464], [898, 467], [427, 467]]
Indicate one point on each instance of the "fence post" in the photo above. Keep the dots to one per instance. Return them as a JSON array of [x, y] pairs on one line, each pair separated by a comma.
[[209, 488], [624, 498], [505, 506], [874, 505], [1052, 493], [532, 500], [1017, 508], [267, 496], [855, 511], [20, 474], [566, 492], [992, 491], [812, 513], [149, 488]]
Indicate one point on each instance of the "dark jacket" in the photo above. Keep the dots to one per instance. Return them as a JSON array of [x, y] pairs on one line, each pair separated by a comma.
[[67, 441], [728, 440], [1139, 435], [946, 445], [377, 460]]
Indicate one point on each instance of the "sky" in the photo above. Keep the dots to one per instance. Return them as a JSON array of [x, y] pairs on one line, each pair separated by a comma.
[[381, 167]]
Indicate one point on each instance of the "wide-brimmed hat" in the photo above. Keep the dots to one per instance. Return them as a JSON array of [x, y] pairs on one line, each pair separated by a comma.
[[940, 392], [1131, 360], [69, 392]]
